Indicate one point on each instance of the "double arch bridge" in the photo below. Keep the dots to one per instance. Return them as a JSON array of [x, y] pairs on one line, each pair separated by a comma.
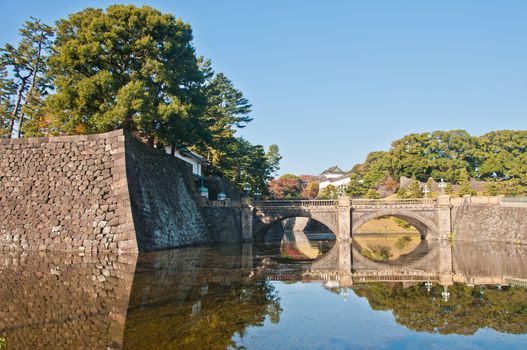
[[344, 216]]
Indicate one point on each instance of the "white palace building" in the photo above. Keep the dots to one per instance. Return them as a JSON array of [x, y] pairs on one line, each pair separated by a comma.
[[334, 176]]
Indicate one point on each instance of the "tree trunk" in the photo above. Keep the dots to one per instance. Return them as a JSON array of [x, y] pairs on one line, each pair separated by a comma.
[[17, 104], [32, 86], [173, 150]]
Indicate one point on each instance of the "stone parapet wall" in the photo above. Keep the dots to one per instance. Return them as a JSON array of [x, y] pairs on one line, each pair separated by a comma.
[[65, 193]]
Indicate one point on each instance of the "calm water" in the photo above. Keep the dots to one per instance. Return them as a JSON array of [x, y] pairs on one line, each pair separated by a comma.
[[274, 296]]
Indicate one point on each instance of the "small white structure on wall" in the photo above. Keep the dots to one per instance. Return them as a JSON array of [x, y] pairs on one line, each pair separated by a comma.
[[197, 161]]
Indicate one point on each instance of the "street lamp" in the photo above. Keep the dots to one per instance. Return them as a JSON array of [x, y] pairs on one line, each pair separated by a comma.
[[442, 186], [247, 188], [428, 286], [426, 190], [445, 294]]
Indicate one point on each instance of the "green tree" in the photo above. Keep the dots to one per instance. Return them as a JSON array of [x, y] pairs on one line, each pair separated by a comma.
[[356, 186], [372, 194], [328, 192], [128, 67], [7, 90], [402, 193], [273, 159], [430, 185], [28, 68], [226, 111], [465, 187], [491, 189], [414, 190]]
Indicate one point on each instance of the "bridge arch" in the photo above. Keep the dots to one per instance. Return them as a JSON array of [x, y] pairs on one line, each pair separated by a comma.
[[265, 219], [424, 225]]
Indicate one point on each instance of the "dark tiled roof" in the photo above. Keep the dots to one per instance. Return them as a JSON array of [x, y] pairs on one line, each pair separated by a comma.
[[333, 170]]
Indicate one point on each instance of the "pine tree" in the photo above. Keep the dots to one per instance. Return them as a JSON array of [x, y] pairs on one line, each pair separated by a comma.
[[414, 190], [28, 67], [372, 194]]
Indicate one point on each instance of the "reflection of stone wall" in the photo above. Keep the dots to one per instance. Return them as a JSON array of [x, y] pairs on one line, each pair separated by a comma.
[[476, 222], [64, 301], [489, 259]]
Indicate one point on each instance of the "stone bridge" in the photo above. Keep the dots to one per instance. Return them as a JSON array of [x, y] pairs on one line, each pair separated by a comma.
[[344, 216]]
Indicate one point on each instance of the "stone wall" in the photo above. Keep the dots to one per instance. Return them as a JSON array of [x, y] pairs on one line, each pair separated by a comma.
[[223, 223], [103, 192], [64, 300], [163, 198], [65, 193], [489, 222]]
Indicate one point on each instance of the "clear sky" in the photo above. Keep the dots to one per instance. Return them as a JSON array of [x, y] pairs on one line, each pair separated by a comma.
[[331, 81]]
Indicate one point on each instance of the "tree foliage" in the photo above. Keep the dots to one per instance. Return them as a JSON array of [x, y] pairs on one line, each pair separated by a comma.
[[450, 155], [24, 76], [287, 186], [134, 68], [466, 312]]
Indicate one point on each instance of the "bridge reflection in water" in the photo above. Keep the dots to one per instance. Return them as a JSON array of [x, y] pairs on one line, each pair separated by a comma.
[[207, 297]]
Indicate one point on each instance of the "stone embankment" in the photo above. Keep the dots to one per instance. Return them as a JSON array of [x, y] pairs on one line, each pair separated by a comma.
[[102, 192], [489, 219]]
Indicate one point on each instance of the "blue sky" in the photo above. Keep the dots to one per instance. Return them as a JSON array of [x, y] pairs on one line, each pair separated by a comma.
[[331, 81]]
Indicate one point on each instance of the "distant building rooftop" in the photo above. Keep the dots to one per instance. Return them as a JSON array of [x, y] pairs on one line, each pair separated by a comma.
[[333, 170]]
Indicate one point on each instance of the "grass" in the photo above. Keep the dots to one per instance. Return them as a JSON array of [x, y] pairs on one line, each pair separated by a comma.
[[387, 225]]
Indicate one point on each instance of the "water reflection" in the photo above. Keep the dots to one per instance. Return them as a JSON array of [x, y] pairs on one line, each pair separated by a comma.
[[64, 301], [387, 246], [225, 297]]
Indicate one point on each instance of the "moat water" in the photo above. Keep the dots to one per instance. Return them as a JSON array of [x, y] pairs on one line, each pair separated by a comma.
[[403, 294]]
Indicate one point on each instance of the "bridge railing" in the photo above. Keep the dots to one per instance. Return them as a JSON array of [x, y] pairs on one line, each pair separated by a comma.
[[514, 199], [353, 202], [393, 202], [297, 203]]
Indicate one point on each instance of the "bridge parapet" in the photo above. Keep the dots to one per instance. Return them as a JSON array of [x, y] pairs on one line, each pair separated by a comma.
[[296, 203], [393, 203]]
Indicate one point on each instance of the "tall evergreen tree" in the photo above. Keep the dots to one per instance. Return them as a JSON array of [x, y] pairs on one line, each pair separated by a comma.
[[127, 67], [27, 64]]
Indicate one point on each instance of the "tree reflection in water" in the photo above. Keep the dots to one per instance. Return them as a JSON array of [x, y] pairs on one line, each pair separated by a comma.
[[467, 310], [218, 297], [179, 301]]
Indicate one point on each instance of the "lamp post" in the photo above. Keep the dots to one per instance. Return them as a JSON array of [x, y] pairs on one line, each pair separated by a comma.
[[442, 186], [247, 188], [426, 190], [428, 286], [445, 294]]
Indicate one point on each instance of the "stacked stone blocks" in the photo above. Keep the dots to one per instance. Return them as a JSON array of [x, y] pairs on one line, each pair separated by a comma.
[[65, 193]]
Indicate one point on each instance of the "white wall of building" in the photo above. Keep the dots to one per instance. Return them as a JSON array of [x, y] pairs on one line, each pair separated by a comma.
[[196, 164], [344, 181]]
